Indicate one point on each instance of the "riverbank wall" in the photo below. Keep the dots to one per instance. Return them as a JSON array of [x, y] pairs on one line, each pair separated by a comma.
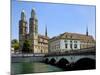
[[27, 58]]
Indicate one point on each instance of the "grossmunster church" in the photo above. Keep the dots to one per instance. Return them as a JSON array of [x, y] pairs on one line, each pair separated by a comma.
[[38, 43]]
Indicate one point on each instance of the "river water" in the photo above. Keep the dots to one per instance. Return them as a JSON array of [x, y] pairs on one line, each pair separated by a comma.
[[32, 67]]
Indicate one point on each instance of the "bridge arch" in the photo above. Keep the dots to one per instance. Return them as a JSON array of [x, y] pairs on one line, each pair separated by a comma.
[[85, 63], [52, 61], [62, 63], [76, 58]]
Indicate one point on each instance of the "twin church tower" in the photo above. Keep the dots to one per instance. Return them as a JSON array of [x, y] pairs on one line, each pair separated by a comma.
[[39, 43]]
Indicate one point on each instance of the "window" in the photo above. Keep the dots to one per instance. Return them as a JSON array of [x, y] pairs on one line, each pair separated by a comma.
[[75, 45], [41, 51], [65, 41], [70, 45], [70, 41], [66, 45], [75, 41]]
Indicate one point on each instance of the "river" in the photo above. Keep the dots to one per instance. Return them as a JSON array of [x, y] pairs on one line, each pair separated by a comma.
[[32, 67]]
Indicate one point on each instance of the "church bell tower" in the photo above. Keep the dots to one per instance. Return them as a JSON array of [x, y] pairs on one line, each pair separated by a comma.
[[22, 30], [33, 31]]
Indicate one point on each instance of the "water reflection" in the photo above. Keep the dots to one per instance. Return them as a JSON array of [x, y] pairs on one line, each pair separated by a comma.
[[36, 67]]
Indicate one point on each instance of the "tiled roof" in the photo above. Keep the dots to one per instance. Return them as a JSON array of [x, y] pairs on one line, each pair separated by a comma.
[[42, 36], [74, 36]]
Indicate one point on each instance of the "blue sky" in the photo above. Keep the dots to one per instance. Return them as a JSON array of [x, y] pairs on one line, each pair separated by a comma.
[[58, 18]]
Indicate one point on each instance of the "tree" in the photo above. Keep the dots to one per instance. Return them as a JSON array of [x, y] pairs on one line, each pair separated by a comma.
[[15, 44], [14, 41], [26, 47]]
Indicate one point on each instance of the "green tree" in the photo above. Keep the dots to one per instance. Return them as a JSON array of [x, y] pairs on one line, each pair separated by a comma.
[[15, 44], [26, 47]]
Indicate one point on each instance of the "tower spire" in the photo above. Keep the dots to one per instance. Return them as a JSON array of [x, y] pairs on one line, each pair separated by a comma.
[[23, 16], [87, 31], [46, 31], [33, 13]]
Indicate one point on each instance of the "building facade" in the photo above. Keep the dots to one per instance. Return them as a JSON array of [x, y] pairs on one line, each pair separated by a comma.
[[70, 41], [39, 43]]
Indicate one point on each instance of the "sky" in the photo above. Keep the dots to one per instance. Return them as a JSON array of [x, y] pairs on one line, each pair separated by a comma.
[[58, 18]]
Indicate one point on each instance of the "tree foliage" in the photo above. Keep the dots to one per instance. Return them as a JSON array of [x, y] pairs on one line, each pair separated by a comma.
[[26, 47], [15, 44]]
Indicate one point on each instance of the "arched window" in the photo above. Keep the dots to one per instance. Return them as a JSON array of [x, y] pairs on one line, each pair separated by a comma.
[[66, 45], [75, 45], [71, 44]]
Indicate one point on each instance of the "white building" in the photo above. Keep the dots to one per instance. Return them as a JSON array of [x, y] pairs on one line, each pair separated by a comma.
[[70, 41]]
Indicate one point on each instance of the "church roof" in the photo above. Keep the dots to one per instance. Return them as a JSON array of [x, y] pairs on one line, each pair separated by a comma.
[[42, 36]]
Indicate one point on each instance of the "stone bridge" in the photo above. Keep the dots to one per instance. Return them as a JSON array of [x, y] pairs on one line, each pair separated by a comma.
[[80, 58]]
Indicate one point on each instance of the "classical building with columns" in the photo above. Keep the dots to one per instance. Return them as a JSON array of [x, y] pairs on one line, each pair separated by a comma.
[[70, 41], [39, 43]]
